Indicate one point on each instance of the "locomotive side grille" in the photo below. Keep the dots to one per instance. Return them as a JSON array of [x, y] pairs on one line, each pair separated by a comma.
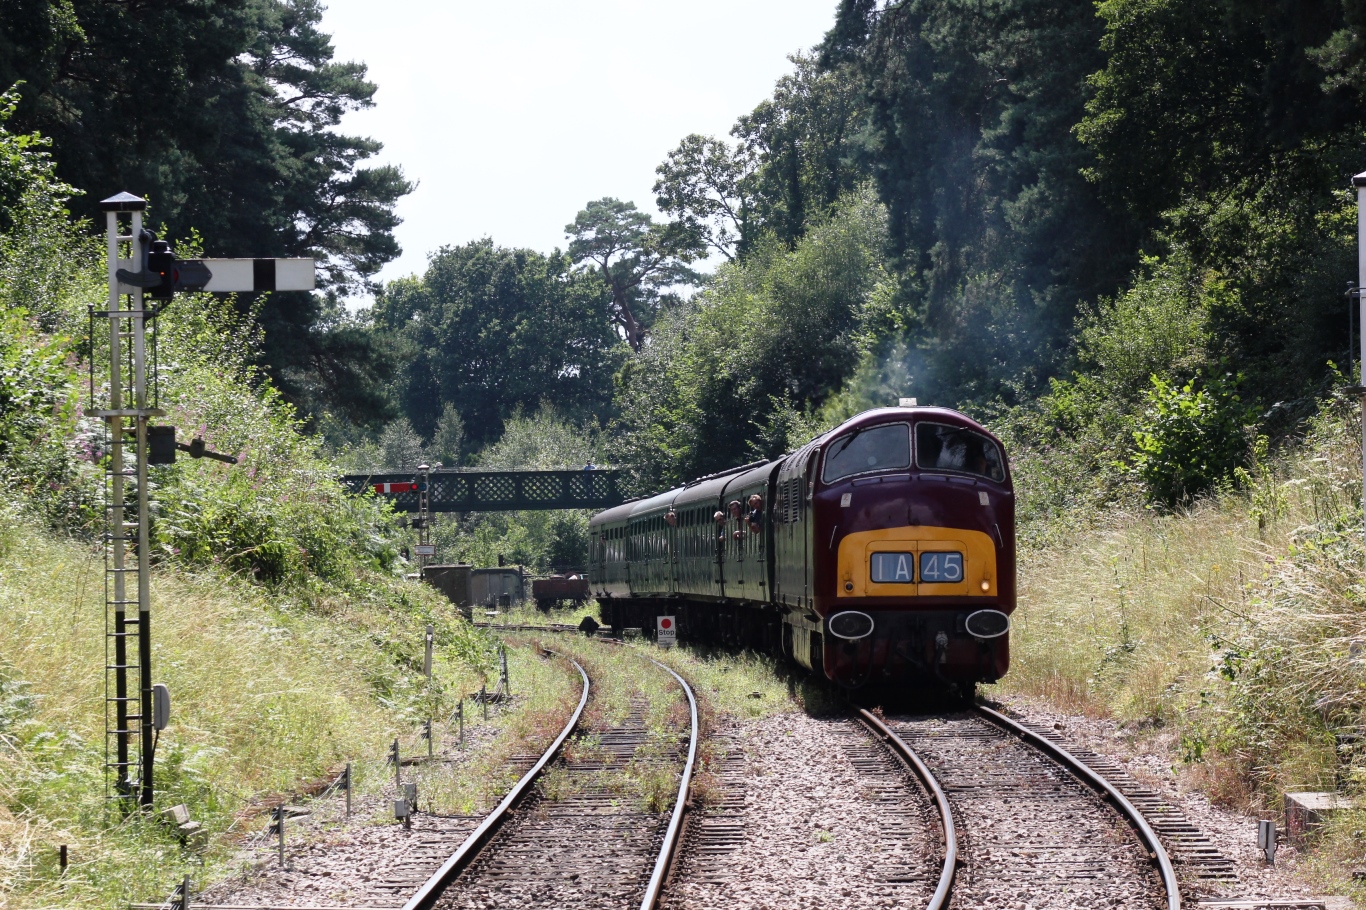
[[788, 494]]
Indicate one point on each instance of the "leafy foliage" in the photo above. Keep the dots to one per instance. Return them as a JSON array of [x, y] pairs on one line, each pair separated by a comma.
[[777, 332], [1188, 440], [1195, 97], [708, 186], [488, 330], [224, 114], [37, 246], [795, 155], [971, 145], [806, 140]]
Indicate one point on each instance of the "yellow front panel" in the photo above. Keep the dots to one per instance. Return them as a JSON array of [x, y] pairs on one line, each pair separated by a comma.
[[979, 561]]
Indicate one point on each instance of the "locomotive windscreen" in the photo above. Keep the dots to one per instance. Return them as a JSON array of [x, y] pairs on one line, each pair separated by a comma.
[[957, 449], [874, 449]]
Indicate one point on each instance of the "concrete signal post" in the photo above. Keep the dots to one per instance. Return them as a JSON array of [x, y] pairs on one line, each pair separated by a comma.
[[141, 288]]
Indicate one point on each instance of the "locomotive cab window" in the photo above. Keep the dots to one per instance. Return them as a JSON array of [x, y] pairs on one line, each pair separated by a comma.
[[944, 448], [884, 448]]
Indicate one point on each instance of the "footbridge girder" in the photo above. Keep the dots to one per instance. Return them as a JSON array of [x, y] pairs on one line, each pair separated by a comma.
[[495, 491]]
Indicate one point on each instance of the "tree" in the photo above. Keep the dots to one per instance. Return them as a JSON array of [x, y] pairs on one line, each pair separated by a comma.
[[449, 439], [805, 139], [41, 251], [708, 186], [1197, 97], [400, 448], [780, 330], [1248, 114], [636, 259], [487, 330], [971, 144], [223, 113]]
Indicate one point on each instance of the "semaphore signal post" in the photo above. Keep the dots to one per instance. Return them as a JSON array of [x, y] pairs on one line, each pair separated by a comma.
[[1359, 181], [141, 287]]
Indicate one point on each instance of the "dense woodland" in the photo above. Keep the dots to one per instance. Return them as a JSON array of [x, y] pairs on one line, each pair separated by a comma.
[[1119, 233], [1079, 220]]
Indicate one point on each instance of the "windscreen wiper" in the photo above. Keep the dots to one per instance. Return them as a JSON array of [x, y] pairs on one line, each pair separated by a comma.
[[852, 437]]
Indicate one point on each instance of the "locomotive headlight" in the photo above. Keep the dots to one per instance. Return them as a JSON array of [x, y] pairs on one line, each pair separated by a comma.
[[850, 625], [986, 624], [986, 585]]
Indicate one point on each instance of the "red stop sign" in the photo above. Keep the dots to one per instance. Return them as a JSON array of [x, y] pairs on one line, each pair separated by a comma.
[[666, 623]]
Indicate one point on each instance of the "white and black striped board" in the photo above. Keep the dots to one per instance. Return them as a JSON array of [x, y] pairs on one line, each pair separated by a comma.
[[225, 276], [247, 275]]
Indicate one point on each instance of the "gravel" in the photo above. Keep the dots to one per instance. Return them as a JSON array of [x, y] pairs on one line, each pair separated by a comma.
[[1031, 837], [828, 821], [584, 840], [369, 860], [813, 813], [356, 866]]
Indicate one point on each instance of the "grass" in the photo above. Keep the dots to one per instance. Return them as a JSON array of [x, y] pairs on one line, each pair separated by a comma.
[[526, 613], [1109, 624], [270, 693], [623, 683], [547, 692]]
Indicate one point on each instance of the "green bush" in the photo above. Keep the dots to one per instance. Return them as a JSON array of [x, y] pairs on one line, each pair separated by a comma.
[[1188, 440], [1074, 449]]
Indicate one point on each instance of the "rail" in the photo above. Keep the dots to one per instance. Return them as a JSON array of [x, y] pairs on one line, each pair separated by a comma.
[[944, 890], [427, 895], [675, 829], [1150, 840]]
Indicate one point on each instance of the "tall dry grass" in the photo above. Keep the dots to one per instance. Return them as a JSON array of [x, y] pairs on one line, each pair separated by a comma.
[[1111, 622], [269, 693]]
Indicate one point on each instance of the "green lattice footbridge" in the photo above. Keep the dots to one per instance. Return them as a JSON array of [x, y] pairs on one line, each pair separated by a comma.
[[500, 491]]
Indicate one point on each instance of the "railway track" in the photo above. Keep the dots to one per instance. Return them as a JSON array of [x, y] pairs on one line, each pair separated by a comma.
[[577, 840], [998, 814], [1024, 822], [948, 831]]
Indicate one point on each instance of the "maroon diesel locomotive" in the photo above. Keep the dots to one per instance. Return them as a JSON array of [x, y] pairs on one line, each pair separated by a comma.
[[880, 553]]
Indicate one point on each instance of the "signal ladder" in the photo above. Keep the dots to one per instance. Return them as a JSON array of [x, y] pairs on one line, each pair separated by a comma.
[[127, 640]]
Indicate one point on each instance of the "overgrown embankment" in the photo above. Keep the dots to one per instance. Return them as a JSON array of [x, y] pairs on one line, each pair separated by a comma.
[[1234, 627], [281, 621]]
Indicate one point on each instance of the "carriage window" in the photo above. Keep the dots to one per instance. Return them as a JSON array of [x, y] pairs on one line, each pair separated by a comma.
[[874, 449], [940, 447]]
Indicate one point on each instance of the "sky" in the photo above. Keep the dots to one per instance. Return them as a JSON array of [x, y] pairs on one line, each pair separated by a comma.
[[512, 116]]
